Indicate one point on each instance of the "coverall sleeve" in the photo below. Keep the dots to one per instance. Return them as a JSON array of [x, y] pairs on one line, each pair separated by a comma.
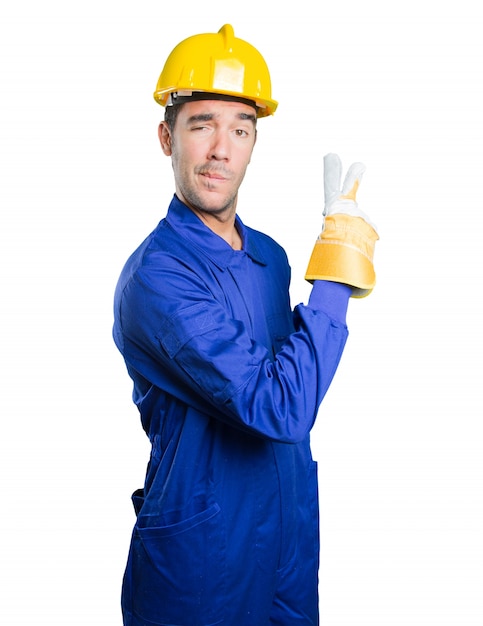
[[180, 338]]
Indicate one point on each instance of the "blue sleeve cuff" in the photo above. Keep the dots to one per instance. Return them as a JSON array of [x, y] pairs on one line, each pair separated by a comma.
[[331, 298]]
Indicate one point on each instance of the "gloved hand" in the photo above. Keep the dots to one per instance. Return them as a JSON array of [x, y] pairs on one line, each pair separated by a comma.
[[344, 250]]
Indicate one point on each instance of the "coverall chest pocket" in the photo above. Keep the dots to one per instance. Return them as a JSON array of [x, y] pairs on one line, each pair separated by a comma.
[[279, 327]]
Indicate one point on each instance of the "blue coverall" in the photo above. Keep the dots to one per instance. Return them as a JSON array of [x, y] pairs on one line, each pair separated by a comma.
[[228, 380]]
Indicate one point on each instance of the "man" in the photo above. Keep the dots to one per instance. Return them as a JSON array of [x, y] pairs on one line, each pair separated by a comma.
[[227, 379]]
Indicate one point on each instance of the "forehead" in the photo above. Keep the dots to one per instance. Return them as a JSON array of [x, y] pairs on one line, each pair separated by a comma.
[[218, 109]]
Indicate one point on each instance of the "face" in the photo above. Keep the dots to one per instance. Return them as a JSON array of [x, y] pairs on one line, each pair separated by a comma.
[[210, 148]]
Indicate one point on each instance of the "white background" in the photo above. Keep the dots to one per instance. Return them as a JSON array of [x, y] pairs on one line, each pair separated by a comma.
[[398, 440]]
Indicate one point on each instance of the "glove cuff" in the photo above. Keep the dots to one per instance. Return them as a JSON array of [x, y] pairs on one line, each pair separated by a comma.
[[344, 252]]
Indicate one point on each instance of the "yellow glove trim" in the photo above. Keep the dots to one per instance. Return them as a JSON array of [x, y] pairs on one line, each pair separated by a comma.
[[352, 193], [344, 252]]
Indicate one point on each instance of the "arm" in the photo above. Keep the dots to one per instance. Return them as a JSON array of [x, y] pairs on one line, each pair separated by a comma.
[[179, 338]]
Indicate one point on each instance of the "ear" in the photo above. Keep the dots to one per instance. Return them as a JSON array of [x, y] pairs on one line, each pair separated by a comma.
[[164, 135]]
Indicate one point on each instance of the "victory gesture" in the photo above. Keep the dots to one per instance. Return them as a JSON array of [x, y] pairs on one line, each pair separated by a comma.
[[344, 250]]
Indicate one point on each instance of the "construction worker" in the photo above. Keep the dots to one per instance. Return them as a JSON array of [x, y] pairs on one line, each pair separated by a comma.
[[228, 378]]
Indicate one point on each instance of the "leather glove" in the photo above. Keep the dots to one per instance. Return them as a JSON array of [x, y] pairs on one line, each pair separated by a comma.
[[344, 250]]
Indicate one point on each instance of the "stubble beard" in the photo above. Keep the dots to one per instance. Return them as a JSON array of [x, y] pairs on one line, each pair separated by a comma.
[[221, 205]]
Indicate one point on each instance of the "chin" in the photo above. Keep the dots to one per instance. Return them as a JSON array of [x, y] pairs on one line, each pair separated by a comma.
[[217, 203]]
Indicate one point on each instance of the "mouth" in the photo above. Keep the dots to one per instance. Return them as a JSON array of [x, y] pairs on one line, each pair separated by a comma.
[[213, 175]]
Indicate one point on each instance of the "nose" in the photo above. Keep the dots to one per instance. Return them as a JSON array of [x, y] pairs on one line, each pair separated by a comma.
[[220, 147]]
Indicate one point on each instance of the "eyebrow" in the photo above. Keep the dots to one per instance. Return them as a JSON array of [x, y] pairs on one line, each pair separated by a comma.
[[207, 117], [248, 116]]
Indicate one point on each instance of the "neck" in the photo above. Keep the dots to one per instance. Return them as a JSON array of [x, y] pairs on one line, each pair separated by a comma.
[[227, 230], [222, 224]]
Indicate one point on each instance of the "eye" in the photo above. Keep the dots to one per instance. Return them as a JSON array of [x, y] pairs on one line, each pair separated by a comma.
[[240, 132]]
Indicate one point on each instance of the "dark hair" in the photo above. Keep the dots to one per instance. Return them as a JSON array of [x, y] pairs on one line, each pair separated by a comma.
[[171, 114]]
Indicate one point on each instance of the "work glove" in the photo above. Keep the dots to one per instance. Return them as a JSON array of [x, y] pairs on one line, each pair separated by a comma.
[[344, 250]]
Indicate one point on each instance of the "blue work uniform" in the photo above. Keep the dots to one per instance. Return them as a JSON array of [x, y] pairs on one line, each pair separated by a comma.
[[228, 381]]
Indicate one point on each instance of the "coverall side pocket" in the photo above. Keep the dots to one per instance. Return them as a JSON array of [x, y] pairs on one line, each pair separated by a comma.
[[178, 571]]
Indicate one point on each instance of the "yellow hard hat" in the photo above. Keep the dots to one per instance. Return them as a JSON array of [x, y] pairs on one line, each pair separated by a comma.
[[216, 63]]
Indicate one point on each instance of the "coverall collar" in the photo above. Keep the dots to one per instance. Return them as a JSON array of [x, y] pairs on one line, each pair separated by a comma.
[[209, 243]]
